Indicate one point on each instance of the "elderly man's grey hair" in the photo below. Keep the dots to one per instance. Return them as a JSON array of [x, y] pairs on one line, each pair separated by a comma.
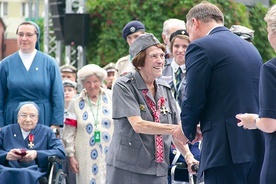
[[172, 23]]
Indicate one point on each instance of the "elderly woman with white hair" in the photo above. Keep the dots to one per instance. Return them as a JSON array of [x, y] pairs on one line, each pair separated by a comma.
[[89, 126]]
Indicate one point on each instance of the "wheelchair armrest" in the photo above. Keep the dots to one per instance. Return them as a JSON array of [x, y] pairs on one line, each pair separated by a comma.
[[181, 165], [52, 159]]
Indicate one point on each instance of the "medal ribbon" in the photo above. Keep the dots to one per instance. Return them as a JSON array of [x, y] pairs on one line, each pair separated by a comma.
[[31, 138], [159, 144]]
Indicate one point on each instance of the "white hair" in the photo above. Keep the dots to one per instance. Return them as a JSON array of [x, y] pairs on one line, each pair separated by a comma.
[[91, 69], [173, 22]]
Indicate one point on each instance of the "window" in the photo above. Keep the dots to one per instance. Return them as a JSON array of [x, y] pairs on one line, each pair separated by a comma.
[[32, 12], [24, 9], [3, 9], [28, 9]]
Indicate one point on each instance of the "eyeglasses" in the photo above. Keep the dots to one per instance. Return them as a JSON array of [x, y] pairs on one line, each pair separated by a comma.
[[156, 55], [28, 35], [31, 116]]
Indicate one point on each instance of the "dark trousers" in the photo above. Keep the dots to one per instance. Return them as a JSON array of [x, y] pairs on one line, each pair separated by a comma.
[[235, 173], [67, 170]]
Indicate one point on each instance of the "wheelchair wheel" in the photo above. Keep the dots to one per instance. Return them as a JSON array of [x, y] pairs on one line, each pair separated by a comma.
[[51, 174], [61, 177]]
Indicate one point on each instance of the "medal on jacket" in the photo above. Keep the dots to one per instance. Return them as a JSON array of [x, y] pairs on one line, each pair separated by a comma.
[[31, 141], [97, 136], [164, 110]]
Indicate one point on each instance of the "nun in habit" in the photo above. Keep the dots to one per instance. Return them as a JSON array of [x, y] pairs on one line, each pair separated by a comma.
[[31, 75], [25, 147]]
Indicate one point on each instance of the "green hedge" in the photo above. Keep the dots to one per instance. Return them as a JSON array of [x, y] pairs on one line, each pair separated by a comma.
[[109, 16]]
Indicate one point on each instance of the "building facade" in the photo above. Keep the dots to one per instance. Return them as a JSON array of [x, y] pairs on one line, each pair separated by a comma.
[[12, 13]]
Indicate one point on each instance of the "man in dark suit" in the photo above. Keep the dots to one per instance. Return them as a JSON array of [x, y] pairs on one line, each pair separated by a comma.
[[222, 80]]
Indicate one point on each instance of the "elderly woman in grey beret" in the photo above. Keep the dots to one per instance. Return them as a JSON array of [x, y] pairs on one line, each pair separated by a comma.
[[145, 115], [89, 126]]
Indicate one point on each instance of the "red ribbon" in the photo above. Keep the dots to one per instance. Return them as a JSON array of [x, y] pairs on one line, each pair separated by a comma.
[[31, 138], [71, 122], [159, 143]]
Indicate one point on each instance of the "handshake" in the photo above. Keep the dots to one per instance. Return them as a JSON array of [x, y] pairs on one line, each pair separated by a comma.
[[180, 136]]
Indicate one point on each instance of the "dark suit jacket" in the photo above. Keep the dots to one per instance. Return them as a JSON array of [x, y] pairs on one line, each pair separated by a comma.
[[222, 80]]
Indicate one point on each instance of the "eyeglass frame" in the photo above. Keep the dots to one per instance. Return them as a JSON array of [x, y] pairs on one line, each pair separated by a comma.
[[25, 116], [27, 35]]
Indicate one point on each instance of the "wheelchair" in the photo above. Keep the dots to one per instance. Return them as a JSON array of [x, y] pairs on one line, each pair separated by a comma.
[[179, 174], [178, 171], [55, 173]]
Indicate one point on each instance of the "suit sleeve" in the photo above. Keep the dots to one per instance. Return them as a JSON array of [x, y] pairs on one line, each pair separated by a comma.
[[57, 96], [3, 153], [267, 91], [198, 75], [3, 92]]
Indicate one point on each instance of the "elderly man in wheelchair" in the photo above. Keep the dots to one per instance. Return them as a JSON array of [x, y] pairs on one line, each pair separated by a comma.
[[26, 146]]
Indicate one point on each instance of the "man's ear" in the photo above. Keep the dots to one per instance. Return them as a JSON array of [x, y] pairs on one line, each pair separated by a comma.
[[195, 22]]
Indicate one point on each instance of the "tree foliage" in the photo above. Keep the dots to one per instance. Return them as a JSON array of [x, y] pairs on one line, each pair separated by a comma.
[[109, 17]]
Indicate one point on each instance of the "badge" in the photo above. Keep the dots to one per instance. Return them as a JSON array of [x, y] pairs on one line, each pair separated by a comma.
[[97, 136], [142, 107], [31, 141], [164, 110]]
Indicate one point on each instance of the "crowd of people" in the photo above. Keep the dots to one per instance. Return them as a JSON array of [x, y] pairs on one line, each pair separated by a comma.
[[180, 101]]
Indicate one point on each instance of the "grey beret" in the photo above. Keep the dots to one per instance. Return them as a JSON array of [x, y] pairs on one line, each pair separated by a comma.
[[141, 43]]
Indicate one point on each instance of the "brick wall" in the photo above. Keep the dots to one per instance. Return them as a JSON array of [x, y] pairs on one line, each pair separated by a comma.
[[10, 47]]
